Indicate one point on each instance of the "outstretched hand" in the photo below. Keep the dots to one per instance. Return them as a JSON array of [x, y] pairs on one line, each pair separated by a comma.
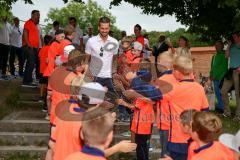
[[126, 146]]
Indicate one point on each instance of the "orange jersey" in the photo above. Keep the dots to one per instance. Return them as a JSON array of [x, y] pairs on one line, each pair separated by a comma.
[[43, 55], [33, 34], [211, 151], [63, 44], [87, 153], [163, 110], [143, 118], [67, 136], [185, 95], [60, 92], [52, 53]]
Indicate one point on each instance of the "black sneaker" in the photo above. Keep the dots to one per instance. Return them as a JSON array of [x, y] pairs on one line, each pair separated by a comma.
[[30, 85], [44, 109], [41, 100]]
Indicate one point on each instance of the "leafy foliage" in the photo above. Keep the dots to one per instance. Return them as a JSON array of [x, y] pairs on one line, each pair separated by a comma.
[[212, 18], [85, 14]]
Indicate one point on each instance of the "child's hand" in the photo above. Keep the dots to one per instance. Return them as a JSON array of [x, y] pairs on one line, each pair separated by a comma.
[[126, 146], [119, 101], [130, 75]]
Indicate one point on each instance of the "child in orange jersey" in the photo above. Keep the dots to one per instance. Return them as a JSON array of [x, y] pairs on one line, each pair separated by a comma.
[[185, 94], [96, 139], [43, 53]]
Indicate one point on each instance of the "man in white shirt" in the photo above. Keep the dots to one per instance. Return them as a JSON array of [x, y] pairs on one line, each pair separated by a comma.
[[89, 34], [16, 44], [78, 39], [102, 49], [5, 30], [56, 26]]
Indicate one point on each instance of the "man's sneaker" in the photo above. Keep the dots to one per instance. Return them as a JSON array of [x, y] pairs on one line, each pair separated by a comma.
[[4, 78], [44, 109], [30, 85], [126, 134]]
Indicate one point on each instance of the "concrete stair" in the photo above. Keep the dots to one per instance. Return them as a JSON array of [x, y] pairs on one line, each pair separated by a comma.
[[26, 133]]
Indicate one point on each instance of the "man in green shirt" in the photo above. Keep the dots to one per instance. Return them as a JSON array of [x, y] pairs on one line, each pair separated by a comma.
[[232, 52], [219, 67]]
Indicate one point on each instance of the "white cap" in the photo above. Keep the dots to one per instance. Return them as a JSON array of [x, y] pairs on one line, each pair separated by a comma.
[[231, 141], [68, 49], [95, 92], [138, 46]]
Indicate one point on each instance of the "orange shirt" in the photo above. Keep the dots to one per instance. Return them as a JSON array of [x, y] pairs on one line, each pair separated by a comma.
[[52, 53], [140, 39], [186, 94], [33, 34], [67, 136], [129, 56], [63, 44], [211, 151], [62, 91], [43, 54], [143, 118], [87, 153], [163, 111]]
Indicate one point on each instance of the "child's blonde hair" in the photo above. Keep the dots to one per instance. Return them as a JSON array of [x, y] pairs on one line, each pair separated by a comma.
[[168, 58], [183, 64], [207, 125], [97, 125]]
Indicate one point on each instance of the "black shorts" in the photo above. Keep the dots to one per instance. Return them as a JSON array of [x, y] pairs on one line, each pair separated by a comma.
[[43, 80]]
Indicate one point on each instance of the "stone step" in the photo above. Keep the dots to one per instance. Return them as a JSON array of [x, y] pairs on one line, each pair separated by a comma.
[[33, 152], [29, 90], [30, 104], [29, 96], [24, 139], [35, 126], [43, 126], [28, 114]]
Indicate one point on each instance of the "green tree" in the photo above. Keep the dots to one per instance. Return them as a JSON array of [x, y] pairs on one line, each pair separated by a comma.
[[194, 39], [84, 13], [213, 19]]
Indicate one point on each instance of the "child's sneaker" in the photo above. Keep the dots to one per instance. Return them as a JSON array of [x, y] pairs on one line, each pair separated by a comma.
[[47, 117]]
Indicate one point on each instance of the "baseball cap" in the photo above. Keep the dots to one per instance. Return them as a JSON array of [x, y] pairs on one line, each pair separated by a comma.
[[137, 46], [66, 52], [95, 92], [231, 141]]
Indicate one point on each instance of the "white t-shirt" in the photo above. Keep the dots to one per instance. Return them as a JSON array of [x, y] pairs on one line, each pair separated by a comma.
[[16, 36], [5, 30], [78, 35], [101, 66]]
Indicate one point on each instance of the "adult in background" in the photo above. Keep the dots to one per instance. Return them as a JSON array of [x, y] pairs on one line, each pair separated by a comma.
[[183, 47], [138, 34], [232, 77], [16, 48], [89, 34], [102, 48], [219, 67], [160, 47], [56, 26], [123, 34], [5, 30], [31, 43], [78, 39]]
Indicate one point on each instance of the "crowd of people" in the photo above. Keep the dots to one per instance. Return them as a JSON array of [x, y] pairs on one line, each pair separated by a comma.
[[88, 82]]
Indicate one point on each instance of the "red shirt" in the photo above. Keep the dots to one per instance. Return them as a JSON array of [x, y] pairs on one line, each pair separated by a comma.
[[33, 34], [43, 54], [140, 39]]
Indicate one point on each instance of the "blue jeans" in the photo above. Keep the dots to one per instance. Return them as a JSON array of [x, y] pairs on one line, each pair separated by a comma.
[[218, 94], [163, 142]]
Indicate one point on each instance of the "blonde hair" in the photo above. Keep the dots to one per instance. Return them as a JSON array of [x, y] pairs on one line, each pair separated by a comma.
[[168, 58], [97, 125], [183, 64], [207, 125]]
